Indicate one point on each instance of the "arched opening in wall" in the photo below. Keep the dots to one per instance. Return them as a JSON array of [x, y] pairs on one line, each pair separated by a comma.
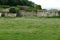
[[2, 15]]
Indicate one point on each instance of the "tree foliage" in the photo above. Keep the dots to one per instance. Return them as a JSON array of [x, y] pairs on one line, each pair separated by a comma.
[[20, 3], [16, 2], [37, 7]]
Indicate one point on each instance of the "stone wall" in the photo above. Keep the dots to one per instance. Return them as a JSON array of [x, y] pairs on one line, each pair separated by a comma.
[[24, 13], [0, 14], [11, 14], [32, 13], [39, 13], [42, 13], [8, 14]]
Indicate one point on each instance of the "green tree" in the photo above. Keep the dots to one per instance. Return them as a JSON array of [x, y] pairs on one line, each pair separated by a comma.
[[37, 7], [17, 2]]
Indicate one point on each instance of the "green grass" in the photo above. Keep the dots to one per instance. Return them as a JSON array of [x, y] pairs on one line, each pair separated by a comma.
[[29, 29]]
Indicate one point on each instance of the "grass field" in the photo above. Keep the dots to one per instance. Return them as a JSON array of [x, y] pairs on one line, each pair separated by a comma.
[[29, 29]]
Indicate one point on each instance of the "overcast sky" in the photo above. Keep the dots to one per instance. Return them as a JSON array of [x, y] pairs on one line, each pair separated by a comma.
[[48, 4]]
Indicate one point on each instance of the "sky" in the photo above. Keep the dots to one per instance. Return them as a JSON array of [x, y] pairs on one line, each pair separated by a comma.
[[48, 4]]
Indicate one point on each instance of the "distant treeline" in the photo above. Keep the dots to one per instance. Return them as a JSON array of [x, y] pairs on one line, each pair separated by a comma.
[[17, 2]]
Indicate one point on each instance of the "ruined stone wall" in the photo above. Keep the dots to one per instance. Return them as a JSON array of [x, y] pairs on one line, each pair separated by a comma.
[[24, 13], [10, 14], [39, 13]]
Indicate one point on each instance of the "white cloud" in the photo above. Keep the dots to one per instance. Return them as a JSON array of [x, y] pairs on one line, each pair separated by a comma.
[[48, 3]]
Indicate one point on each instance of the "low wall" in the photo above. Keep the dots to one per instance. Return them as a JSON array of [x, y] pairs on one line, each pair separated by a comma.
[[28, 13], [24, 13], [10, 14], [0, 14]]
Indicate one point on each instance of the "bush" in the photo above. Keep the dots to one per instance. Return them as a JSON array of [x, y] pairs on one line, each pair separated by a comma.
[[12, 10]]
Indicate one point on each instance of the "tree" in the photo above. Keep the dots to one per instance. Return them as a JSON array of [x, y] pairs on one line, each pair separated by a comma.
[[17, 2], [37, 7]]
